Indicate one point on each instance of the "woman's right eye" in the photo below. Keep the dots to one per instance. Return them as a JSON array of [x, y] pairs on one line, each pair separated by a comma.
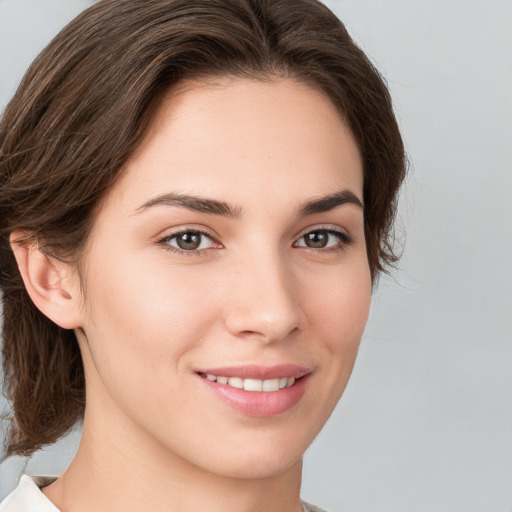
[[188, 241]]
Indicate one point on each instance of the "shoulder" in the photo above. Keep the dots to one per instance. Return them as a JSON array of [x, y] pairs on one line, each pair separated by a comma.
[[27, 497], [306, 507]]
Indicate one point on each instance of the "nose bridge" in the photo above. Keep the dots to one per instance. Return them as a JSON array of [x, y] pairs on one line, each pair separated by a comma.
[[264, 298]]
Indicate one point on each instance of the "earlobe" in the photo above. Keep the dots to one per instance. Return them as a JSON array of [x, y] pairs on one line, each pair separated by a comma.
[[51, 284]]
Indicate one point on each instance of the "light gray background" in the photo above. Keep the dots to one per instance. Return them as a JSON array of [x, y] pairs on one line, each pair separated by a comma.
[[426, 421]]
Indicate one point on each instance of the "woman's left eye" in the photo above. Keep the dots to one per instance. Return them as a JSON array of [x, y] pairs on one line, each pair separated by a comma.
[[188, 241], [323, 239]]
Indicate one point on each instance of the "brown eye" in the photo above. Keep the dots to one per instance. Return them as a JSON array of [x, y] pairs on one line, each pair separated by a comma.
[[317, 239], [188, 241], [324, 239]]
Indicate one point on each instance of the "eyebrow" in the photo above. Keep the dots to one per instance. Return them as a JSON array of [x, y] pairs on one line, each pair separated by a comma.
[[215, 207], [330, 202], [192, 202]]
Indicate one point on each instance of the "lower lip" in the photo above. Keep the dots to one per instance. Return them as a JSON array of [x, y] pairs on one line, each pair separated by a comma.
[[263, 404]]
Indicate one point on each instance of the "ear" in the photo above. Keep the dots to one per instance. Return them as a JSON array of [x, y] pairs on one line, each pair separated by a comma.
[[52, 285]]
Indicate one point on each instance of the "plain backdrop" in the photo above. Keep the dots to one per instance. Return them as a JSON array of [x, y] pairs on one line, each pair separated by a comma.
[[426, 421]]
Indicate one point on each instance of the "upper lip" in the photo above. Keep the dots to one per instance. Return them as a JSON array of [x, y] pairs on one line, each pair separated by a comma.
[[258, 372]]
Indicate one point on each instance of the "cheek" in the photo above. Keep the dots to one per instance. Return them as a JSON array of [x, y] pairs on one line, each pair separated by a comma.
[[143, 320], [339, 303], [338, 309], [336, 303]]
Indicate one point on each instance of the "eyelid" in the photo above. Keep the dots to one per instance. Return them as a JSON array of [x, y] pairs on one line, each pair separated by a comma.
[[185, 228], [324, 227]]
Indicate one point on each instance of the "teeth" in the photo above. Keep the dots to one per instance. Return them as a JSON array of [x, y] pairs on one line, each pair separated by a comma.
[[253, 384], [270, 385], [236, 382]]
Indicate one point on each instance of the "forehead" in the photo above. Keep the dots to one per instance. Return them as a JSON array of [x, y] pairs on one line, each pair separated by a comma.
[[244, 138]]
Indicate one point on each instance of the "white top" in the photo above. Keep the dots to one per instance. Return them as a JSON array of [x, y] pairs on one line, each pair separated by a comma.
[[27, 497]]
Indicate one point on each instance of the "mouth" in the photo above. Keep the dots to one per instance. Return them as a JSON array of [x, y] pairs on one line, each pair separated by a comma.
[[258, 391]]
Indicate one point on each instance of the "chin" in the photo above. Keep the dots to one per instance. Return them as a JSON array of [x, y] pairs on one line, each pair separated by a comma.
[[264, 457], [262, 467]]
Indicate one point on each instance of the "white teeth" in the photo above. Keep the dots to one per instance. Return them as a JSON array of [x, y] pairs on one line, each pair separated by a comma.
[[270, 385], [253, 384], [236, 382]]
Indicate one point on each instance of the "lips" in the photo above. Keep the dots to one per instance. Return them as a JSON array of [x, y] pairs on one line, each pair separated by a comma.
[[257, 390]]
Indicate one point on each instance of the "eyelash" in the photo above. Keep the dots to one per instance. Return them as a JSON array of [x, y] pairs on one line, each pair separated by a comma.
[[343, 241]]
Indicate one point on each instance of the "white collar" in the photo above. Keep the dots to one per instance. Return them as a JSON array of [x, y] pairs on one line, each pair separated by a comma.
[[28, 497]]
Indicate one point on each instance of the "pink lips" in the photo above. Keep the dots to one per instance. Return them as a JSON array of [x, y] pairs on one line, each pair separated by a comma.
[[259, 403]]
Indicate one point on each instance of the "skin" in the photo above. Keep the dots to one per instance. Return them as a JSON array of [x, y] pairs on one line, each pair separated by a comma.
[[155, 437]]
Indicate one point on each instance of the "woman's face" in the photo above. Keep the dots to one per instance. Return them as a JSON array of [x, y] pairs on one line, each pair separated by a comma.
[[230, 254]]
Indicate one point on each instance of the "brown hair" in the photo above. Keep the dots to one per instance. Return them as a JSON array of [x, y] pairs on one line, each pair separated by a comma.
[[83, 107]]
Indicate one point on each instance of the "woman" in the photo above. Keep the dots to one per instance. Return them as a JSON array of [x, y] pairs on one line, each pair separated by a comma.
[[196, 197]]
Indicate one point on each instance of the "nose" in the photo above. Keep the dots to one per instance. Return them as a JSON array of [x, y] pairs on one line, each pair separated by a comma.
[[264, 301]]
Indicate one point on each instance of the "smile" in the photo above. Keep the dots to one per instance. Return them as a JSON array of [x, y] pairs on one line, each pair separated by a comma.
[[258, 391], [267, 385]]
